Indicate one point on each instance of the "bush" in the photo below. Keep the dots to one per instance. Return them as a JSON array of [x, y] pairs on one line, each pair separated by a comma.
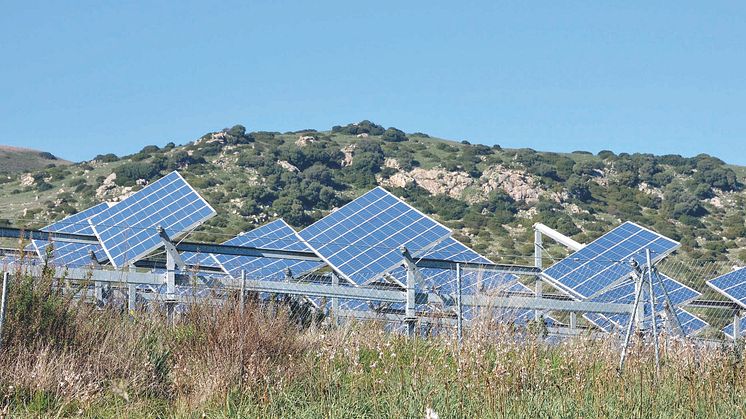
[[106, 158], [129, 173], [362, 127], [394, 135]]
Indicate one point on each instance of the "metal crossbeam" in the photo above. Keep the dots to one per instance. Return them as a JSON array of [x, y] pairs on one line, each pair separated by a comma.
[[468, 266]]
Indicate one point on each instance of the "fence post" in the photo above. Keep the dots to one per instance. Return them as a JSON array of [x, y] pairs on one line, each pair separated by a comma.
[[410, 314], [170, 288], [736, 327], [459, 306], [132, 298], [243, 290], [335, 300], [4, 304], [573, 321]]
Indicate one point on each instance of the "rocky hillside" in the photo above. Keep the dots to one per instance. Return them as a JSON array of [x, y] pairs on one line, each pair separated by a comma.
[[489, 195], [15, 160]]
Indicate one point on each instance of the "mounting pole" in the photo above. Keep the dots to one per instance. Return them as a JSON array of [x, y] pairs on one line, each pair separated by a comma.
[[630, 324], [671, 310], [459, 306], [653, 311], [538, 255], [3, 304], [410, 314]]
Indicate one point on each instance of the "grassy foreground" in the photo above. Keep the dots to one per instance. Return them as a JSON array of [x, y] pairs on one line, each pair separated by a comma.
[[63, 359]]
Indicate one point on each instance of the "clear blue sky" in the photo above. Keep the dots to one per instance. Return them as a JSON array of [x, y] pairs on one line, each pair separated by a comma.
[[86, 77]]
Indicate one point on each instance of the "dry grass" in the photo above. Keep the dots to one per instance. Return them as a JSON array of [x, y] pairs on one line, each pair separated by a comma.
[[258, 362]]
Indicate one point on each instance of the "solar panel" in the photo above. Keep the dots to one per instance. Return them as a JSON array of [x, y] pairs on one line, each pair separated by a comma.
[[731, 285], [276, 235], [362, 240], [605, 261], [67, 253], [128, 230], [624, 293]]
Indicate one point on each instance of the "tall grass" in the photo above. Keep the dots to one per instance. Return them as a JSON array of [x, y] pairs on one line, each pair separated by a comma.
[[64, 358]]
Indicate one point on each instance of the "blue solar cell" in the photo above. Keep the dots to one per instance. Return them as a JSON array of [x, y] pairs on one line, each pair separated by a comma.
[[67, 253], [731, 285], [128, 230], [605, 262], [361, 240], [276, 235]]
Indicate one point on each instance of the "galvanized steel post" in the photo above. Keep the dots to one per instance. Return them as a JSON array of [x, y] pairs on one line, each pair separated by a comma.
[[4, 304]]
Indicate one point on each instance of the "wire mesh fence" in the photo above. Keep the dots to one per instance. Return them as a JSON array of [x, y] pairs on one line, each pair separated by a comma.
[[611, 295]]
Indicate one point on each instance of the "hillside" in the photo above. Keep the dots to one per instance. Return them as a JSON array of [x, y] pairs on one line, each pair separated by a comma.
[[18, 160], [490, 196]]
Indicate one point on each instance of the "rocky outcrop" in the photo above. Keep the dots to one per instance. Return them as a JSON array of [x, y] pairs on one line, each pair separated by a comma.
[[305, 140], [109, 191], [27, 180], [436, 181], [348, 152], [287, 166], [517, 184]]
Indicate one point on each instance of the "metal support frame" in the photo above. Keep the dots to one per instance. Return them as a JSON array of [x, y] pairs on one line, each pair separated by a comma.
[[459, 306], [410, 314], [538, 263]]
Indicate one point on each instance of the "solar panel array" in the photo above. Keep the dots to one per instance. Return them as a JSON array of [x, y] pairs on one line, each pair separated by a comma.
[[276, 235], [731, 285], [624, 293], [128, 230], [362, 240], [68, 253], [605, 262]]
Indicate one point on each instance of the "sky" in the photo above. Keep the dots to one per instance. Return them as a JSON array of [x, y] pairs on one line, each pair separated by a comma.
[[88, 77]]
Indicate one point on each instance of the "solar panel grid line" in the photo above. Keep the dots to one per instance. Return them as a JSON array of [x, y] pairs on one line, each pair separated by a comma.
[[399, 219], [125, 242], [368, 267], [144, 208], [335, 237]]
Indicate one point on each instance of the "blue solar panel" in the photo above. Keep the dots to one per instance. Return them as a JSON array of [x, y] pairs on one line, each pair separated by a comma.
[[625, 294], [605, 261], [128, 230], [731, 285], [67, 253], [361, 240], [275, 235]]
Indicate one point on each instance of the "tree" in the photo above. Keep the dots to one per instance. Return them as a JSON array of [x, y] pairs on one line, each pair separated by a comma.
[[394, 135]]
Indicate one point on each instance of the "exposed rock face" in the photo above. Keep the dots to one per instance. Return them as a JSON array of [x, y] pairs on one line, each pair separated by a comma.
[[305, 140], [109, 190], [436, 181], [515, 183], [287, 166], [27, 180], [348, 154]]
